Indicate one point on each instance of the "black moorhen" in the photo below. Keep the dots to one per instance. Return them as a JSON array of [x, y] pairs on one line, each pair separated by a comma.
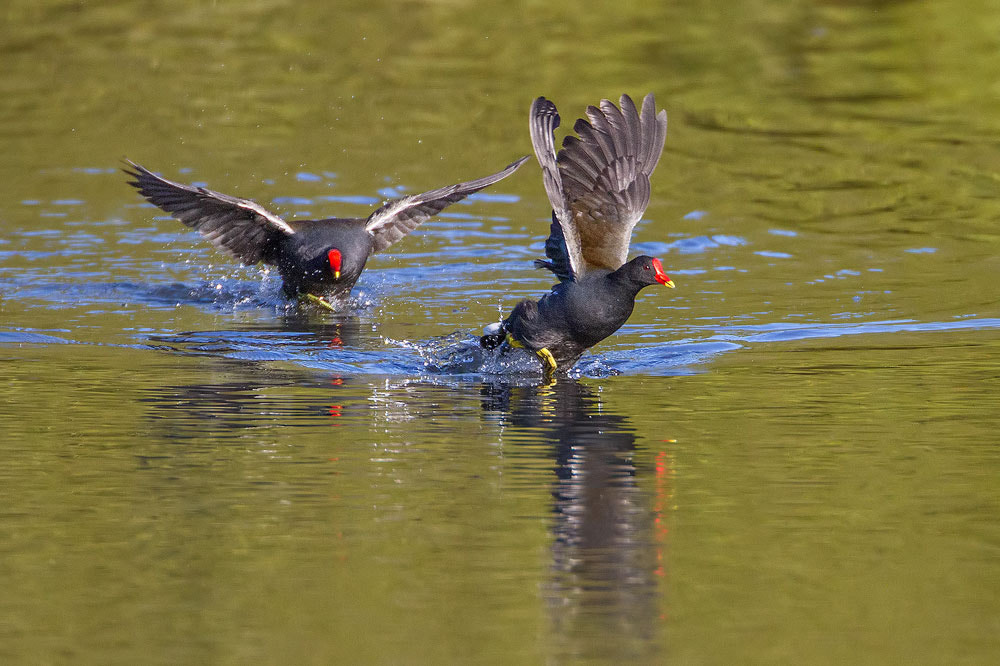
[[315, 258], [598, 186]]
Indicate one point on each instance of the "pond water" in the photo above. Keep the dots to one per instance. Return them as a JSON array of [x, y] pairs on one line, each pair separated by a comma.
[[790, 458]]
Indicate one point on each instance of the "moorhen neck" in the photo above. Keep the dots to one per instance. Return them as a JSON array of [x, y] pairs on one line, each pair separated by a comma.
[[598, 186], [318, 259]]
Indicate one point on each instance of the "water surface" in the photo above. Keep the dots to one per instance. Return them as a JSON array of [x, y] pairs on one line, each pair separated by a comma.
[[790, 458]]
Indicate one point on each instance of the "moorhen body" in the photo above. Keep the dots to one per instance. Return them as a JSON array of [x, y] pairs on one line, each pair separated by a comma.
[[598, 186], [317, 259]]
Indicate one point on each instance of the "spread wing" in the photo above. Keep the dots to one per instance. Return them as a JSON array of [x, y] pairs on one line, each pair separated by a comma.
[[398, 217], [605, 174], [241, 227]]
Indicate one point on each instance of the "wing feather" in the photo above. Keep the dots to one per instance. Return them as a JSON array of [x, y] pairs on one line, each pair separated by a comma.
[[241, 227], [555, 250], [654, 125], [605, 174], [398, 217], [563, 245]]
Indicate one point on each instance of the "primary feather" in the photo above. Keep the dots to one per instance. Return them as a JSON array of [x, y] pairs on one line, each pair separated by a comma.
[[598, 183], [241, 227], [398, 217]]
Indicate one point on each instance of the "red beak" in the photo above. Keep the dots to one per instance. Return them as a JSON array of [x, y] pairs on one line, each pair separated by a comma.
[[334, 257], [662, 277]]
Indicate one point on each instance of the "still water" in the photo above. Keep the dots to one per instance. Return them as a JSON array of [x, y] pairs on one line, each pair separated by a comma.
[[790, 458]]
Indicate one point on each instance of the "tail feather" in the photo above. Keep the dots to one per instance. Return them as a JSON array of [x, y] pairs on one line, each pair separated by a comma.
[[493, 336]]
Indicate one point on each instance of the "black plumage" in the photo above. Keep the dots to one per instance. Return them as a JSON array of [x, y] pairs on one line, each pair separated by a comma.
[[598, 185]]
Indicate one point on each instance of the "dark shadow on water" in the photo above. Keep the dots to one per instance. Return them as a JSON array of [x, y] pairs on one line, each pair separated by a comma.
[[296, 336], [244, 402], [606, 554]]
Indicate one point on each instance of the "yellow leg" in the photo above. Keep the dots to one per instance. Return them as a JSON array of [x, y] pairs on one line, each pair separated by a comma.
[[320, 301], [547, 360], [543, 354]]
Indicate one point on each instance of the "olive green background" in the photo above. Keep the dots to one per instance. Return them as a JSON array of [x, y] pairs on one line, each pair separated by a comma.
[[797, 463]]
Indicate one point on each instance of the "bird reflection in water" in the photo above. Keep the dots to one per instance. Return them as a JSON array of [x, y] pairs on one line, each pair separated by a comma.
[[608, 537], [245, 402], [337, 331]]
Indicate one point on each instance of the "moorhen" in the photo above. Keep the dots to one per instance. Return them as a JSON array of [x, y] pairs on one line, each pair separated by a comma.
[[598, 186], [318, 259]]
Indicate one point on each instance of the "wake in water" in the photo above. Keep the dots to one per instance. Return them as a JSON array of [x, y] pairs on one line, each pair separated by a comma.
[[233, 294], [222, 294], [351, 345], [459, 354]]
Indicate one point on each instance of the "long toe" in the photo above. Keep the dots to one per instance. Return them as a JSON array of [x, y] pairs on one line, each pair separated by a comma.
[[548, 361]]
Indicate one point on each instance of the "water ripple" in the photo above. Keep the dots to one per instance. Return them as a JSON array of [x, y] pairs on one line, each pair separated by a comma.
[[785, 331]]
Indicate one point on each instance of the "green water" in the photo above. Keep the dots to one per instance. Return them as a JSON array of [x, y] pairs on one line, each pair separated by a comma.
[[790, 458]]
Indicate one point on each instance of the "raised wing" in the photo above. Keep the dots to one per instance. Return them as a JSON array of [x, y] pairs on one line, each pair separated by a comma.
[[239, 226], [605, 178], [399, 217], [563, 245]]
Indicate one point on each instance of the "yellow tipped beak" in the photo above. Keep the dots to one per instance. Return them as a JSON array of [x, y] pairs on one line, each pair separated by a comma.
[[669, 283], [336, 276]]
